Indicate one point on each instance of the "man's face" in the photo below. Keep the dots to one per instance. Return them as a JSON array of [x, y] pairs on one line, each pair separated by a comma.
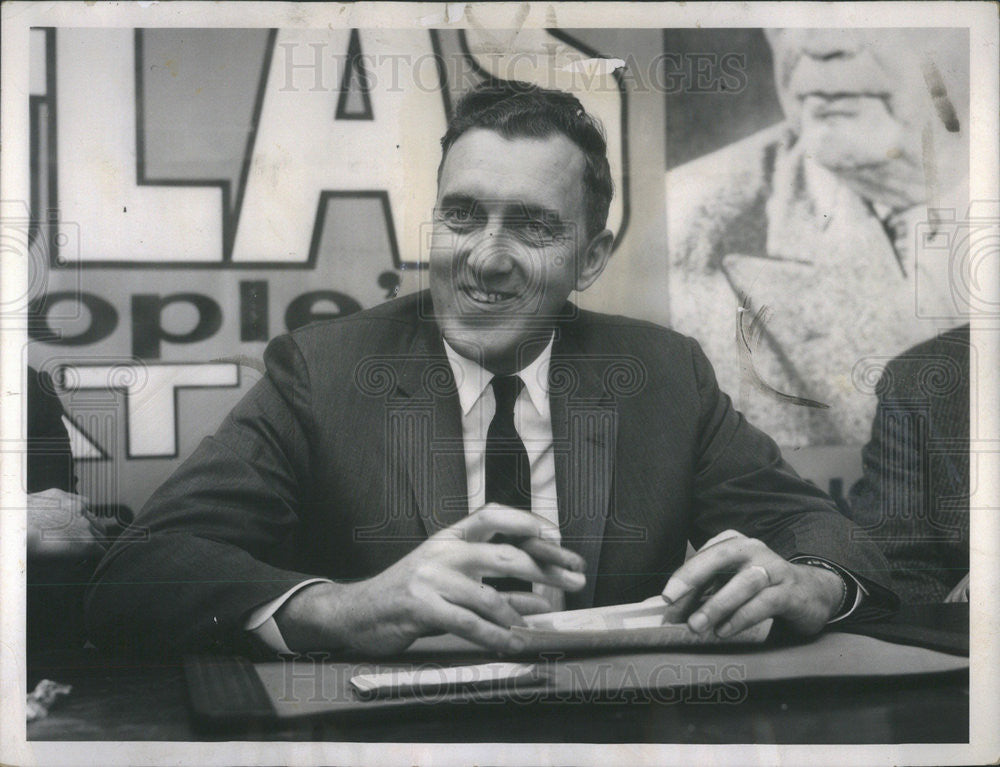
[[509, 243], [859, 98]]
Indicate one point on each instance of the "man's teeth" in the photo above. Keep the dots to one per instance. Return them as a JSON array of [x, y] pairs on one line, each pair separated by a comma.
[[487, 298]]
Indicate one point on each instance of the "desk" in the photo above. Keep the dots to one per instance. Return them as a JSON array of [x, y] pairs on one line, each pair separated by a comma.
[[120, 700]]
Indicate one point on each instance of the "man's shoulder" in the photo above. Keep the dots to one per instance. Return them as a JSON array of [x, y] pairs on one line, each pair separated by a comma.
[[390, 328], [954, 343], [636, 355], [393, 321], [616, 332], [405, 309], [937, 367], [605, 321]]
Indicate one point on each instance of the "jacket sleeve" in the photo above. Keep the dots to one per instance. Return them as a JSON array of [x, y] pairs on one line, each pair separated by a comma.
[[884, 501], [742, 483], [203, 551], [913, 497]]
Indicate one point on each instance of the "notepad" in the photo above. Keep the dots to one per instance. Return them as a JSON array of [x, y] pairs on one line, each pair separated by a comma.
[[401, 682], [628, 626]]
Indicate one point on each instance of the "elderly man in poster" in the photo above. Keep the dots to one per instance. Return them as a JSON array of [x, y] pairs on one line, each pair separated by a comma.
[[413, 468], [831, 227]]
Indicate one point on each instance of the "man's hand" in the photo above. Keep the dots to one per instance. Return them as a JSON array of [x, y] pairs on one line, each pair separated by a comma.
[[436, 588], [758, 584], [59, 525]]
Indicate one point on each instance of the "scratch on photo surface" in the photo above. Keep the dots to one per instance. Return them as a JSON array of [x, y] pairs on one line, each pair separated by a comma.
[[748, 334]]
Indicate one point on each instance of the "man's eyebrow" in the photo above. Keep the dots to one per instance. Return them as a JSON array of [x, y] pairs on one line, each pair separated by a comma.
[[456, 200], [539, 213], [513, 210]]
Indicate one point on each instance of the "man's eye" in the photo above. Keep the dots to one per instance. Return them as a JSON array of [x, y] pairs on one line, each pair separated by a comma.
[[538, 231], [457, 216]]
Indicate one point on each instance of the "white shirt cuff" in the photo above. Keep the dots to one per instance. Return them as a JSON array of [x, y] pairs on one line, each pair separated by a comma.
[[860, 591], [261, 621]]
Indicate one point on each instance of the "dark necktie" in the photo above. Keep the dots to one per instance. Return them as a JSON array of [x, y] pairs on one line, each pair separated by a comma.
[[508, 473], [898, 232]]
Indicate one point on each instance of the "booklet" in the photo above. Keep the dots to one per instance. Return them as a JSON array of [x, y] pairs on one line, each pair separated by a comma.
[[628, 626]]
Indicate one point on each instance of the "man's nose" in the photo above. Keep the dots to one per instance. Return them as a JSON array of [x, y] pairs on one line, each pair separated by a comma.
[[492, 255], [826, 43]]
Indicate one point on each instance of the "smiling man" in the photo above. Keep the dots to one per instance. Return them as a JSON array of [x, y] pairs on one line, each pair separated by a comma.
[[453, 460]]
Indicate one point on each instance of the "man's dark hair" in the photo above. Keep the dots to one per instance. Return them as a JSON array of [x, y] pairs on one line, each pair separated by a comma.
[[516, 109]]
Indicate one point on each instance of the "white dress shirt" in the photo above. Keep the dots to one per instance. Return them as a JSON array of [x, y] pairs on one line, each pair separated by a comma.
[[533, 421]]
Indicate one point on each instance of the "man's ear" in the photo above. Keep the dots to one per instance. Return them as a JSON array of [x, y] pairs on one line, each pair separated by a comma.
[[593, 259]]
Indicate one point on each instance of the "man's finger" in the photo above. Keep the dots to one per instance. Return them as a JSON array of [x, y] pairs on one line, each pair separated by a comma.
[[723, 558], [493, 519], [739, 590], [527, 602], [507, 561], [678, 611], [725, 535], [462, 622], [765, 605], [549, 553], [481, 599]]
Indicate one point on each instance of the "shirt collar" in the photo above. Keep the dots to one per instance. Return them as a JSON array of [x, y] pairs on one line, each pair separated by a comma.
[[471, 379]]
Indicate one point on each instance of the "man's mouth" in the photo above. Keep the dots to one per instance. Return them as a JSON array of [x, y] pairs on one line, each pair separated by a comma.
[[490, 297], [821, 104]]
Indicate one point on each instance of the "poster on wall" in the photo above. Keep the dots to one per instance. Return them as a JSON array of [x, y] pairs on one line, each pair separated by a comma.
[[274, 213]]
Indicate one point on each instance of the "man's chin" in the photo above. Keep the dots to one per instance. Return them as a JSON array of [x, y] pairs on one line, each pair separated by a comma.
[[472, 342], [845, 143], [497, 350]]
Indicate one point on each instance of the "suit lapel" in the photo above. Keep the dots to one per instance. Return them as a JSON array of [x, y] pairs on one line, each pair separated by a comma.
[[429, 432], [428, 441], [584, 430]]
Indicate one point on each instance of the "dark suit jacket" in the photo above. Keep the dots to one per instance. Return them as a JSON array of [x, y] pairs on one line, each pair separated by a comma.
[[913, 499], [55, 585], [348, 454]]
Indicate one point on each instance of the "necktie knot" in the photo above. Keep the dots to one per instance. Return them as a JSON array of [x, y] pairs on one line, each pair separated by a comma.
[[506, 390]]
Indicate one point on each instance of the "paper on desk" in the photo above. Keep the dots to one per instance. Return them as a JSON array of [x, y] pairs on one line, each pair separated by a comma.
[[621, 627], [41, 699]]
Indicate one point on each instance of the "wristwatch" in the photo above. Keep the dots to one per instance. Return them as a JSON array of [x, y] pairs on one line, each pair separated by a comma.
[[847, 583]]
